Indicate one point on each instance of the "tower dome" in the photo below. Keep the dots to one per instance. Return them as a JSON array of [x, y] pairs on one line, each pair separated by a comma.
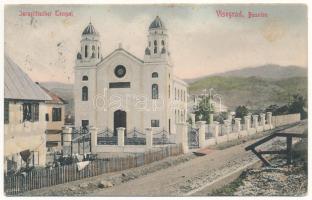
[[89, 30], [157, 23]]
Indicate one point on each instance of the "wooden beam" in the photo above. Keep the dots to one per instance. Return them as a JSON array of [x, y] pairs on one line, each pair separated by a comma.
[[273, 152], [261, 158], [299, 135], [254, 145]]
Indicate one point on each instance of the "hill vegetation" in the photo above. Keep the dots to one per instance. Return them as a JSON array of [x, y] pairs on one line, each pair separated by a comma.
[[254, 92]]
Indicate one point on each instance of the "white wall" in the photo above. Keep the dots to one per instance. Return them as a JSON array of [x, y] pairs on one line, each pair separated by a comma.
[[20, 136]]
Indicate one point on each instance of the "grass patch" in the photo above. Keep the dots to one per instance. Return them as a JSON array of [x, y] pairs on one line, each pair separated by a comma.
[[229, 189]]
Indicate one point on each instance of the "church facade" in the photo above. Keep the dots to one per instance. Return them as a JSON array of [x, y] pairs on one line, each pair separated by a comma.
[[122, 90]]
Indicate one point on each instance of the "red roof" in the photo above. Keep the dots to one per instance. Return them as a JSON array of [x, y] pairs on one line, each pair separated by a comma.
[[55, 99]]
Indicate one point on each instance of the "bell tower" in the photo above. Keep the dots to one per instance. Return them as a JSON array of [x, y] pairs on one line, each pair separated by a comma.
[[90, 50], [85, 76], [157, 39]]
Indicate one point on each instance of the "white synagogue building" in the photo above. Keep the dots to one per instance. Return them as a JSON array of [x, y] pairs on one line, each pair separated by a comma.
[[122, 90]]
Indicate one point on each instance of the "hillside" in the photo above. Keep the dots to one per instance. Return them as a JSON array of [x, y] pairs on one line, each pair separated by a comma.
[[271, 71], [63, 90], [255, 87], [255, 92]]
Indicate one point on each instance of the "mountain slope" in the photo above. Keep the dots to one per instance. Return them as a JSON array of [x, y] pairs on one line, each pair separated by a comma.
[[271, 71], [255, 92]]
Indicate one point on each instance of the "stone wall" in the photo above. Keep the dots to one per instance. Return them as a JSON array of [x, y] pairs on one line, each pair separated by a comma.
[[267, 122], [285, 119]]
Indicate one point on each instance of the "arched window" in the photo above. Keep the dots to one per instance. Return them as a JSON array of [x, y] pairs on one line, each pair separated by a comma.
[[175, 116], [155, 43], [181, 119], [98, 52], [178, 94], [86, 51], [163, 43], [169, 91], [85, 78], [154, 91], [93, 52], [175, 93], [84, 93], [154, 75], [155, 50]]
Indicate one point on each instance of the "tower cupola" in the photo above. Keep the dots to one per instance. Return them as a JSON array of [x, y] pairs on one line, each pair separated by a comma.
[[157, 48], [90, 51]]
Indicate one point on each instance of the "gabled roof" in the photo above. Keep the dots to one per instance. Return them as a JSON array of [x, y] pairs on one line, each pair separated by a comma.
[[55, 99], [120, 50], [18, 85]]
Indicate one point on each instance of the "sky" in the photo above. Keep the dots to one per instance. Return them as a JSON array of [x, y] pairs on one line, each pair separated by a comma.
[[200, 42]]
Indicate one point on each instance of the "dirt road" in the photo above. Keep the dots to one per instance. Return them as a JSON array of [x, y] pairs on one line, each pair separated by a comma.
[[183, 178], [174, 176]]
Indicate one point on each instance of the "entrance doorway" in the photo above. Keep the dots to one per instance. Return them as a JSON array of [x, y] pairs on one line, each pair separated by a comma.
[[120, 120]]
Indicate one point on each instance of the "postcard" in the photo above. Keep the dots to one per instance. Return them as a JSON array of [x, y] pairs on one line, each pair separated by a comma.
[[166, 99]]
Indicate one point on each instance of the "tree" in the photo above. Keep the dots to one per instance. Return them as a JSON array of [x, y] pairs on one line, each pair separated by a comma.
[[297, 106], [203, 110], [241, 111]]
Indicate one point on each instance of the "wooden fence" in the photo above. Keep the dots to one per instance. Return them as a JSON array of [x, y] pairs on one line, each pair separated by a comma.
[[46, 177]]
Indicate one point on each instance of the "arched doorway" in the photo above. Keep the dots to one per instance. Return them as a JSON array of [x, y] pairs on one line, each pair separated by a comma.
[[120, 120]]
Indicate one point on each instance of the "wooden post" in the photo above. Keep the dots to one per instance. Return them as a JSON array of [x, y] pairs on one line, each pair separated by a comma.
[[289, 150]]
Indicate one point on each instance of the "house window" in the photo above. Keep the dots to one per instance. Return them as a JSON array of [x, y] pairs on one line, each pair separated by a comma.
[[6, 112], [98, 52], [154, 123], [56, 114], [85, 78], [154, 75], [84, 93], [84, 123], [163, 42], [154, 91], [31, 112], [155, 50], [47, 117]]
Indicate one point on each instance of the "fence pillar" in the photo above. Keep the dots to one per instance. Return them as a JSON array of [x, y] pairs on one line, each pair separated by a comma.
[[216, 130], [67, 140], [237, 124], [93, 133], [269, 119], [182, 136], [149, 137], [121, 136], [193, 120], [255, 121], [201, 133], [262, 119], [227, 127], [247, 122], [210, 118], [230, 118]]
